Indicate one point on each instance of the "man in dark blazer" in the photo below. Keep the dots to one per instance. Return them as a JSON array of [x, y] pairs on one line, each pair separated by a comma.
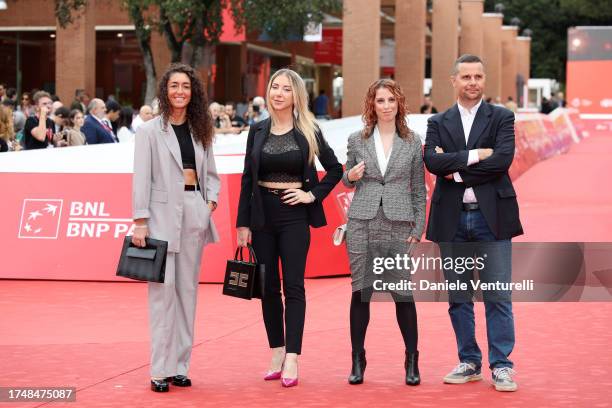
[[470, 148], [95, 130]]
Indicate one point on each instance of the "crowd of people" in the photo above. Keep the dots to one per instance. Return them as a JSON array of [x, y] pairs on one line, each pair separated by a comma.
[[235, 118], [40, 120], [94, 121]]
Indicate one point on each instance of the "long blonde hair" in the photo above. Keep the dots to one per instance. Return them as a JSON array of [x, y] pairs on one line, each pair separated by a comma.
[[303, 119]]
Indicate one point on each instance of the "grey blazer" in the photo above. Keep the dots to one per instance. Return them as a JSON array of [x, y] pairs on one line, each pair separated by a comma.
[[158, 184], [401, 188]]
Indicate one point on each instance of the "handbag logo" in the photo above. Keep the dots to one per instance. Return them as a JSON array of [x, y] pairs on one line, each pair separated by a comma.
[[239, 279]]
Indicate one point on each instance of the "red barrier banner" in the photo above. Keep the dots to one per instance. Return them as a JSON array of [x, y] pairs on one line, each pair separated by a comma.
[[66, 211], [71, 226]]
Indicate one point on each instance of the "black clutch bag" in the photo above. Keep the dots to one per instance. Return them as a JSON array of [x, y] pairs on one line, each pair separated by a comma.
[[244, 279], [143, 264]]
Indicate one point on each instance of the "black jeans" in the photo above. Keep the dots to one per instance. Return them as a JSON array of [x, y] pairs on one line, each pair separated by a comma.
[[285, 236]]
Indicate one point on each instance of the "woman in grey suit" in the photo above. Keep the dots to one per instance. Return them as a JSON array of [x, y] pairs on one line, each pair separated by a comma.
[[385, 166], [175, 190]]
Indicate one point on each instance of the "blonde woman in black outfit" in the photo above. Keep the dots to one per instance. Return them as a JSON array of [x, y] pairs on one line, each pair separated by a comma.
[[280, 198]]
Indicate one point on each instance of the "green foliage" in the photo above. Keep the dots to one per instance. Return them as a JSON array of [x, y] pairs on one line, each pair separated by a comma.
[[281, 19], [185, 16], [597, 10], [64, 9], [549, 20], [200, 22]]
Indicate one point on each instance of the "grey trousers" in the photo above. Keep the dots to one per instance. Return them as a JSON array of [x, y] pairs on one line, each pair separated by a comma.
[[172, 304]]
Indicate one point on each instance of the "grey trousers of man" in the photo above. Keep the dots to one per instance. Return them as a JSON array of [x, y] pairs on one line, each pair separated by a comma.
[[172, 304]]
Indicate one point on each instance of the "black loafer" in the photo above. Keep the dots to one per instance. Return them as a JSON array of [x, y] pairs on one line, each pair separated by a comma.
[[160, 385], [181, 381]]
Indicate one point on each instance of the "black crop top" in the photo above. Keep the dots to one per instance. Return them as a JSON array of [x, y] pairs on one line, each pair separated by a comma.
[[183, 136], [281, 159]]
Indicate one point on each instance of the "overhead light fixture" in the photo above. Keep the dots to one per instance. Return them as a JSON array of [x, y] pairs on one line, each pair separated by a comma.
[[3, 5], [119, 35], [52, 35]]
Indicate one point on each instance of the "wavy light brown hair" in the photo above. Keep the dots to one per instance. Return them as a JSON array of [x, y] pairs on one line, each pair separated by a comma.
[[369, 110], [6, 124], [198, 117]]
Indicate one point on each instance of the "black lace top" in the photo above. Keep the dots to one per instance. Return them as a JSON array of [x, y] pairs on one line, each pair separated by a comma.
[[281, 159]]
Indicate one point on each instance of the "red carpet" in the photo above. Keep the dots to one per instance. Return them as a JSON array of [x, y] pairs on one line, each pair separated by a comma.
[[569, 197], [94, 336]]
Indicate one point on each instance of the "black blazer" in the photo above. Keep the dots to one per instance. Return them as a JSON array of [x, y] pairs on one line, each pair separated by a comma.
[[493, 127], [250, 207]]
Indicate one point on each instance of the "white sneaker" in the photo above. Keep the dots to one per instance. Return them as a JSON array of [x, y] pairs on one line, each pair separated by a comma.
[[502, 379], [463, 373]]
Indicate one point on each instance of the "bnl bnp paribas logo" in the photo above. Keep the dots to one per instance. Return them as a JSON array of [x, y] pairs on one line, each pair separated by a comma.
[[41, 218]]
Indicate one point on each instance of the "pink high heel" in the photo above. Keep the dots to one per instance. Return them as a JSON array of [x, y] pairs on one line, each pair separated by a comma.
[[273, 375], [289, 382]]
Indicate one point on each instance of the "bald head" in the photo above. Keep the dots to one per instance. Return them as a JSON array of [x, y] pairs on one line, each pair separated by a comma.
[[215, 110], [259, 101], [145, 113]]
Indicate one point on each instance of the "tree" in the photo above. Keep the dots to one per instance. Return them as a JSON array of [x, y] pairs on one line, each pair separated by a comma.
[[282, 19], [597, 10], [136, 11], [65, 11], [549, 21], [190, 22], [198, 23]]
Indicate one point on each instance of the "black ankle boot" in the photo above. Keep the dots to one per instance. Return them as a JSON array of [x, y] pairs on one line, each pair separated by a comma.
[[359, 366], [412, 368]]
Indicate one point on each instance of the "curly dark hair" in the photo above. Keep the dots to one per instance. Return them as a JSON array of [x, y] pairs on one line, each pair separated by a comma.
[[199, 119], [369, 111]]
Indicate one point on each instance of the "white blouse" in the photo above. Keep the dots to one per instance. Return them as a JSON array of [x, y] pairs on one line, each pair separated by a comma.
[[383, 160], [125, 135]]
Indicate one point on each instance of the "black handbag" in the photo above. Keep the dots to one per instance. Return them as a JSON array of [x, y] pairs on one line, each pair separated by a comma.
[[244, 279], [143, 264]]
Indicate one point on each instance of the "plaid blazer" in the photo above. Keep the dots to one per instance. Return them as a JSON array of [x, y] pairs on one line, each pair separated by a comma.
[[401, 190]]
